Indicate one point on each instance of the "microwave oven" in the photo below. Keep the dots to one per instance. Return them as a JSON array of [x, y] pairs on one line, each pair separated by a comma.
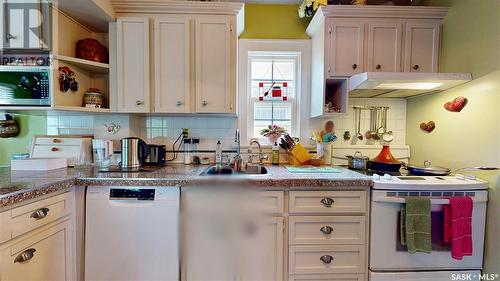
[[25, 85]]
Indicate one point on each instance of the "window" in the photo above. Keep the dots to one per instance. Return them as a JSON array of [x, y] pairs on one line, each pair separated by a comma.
[[268, 71]]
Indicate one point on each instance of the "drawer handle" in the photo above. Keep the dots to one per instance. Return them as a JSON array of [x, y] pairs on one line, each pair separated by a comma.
[[354, 66], [416, 67], [56, 140], [179, 103], [327, 201], [204, 103], [40, 213], [326, 229], [25, 255], [139, 102], [326, 259], [378, 66]]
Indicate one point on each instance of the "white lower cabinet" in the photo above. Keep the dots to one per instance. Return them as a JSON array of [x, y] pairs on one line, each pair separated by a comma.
[[327, 236], [262, 257], [38, 240], [39, 255], [227, 237]]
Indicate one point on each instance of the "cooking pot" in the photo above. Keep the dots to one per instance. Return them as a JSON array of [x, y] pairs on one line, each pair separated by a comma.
[[357, 161], [385, 161]]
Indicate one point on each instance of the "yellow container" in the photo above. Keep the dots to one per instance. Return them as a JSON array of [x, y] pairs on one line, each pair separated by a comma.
[[300, 153]]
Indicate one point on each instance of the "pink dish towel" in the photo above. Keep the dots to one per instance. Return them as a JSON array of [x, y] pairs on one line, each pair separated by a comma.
[[460, 227]]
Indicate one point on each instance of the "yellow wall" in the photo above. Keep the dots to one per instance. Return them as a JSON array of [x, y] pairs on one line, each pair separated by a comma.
[[271, 21], [471, 43]]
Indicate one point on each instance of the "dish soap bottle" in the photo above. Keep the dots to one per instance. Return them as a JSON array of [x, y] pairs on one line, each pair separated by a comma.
[[275, 156], [218, 153]]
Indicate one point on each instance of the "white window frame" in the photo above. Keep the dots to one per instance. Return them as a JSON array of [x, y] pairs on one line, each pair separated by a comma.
[[293, 100], [302, 48]]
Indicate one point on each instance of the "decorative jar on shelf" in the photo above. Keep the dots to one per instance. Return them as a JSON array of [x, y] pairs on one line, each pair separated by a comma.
[[93, 98]]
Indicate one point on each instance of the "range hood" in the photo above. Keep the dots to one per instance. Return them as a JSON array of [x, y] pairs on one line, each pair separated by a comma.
[[403, 84]]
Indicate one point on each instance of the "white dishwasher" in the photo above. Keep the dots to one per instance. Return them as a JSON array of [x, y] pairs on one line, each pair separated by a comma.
[[132, 233]]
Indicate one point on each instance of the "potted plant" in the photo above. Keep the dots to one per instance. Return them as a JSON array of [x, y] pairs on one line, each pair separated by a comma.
[[273, 133]]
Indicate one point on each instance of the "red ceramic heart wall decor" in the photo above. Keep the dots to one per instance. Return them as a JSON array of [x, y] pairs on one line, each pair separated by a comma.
[[428, 127], [456, 105]]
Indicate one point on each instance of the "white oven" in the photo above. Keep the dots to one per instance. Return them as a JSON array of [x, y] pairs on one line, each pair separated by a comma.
[[389, 259]]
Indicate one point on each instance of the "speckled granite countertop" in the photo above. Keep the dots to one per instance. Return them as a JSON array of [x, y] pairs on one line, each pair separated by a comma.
[[19, 186]]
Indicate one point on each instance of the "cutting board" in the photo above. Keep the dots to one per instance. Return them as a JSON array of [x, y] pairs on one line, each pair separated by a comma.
[[312, 169]]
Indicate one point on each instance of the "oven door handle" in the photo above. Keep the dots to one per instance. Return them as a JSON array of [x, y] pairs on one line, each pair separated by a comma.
[[437, 201]]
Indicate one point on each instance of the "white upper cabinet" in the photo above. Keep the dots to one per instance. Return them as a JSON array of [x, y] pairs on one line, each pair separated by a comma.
[[422, 46], [192, 60], [215, 55], [172, 64], [346, 39], [133, 64], [350, 39], [384, 46]]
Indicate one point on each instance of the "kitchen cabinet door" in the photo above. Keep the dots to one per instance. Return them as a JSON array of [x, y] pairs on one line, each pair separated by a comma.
[[262, 257], [172, 64], [133, 64], [422, 46], [346, 47], [44, 255], [215, 53], [384, 46]]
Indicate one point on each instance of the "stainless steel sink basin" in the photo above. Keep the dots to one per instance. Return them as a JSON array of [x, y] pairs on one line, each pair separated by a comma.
[[252, 170]]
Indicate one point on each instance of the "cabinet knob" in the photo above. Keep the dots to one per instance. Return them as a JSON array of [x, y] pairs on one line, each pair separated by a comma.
[[327, 201], [25, 255], [326, 259], [354, 66], [139, 102], [40, 213], [204, 103], [178, 103], [326, 229], [416, 67], [378, 66], [54, 149]]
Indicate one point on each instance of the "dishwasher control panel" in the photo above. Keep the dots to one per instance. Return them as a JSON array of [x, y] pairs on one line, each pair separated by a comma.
[[131, 194]]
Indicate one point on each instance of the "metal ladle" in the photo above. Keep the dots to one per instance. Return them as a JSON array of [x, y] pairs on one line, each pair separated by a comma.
[[358, 114]]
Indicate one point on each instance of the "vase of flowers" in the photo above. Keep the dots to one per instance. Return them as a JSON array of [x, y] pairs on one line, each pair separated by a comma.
[[309, 7], [273, 133]]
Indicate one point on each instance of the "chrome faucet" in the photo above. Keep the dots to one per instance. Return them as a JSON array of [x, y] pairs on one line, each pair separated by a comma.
[[261, 155], [237, 162], [237, 139]]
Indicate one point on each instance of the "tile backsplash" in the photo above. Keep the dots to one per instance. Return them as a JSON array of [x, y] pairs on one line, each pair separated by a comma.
[[396, 120], [165, 129]]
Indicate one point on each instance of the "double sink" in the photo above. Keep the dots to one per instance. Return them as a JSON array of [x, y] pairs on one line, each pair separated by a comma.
[[252, 170]]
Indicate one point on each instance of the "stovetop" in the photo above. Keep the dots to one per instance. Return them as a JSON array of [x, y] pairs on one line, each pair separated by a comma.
[[409, 182]]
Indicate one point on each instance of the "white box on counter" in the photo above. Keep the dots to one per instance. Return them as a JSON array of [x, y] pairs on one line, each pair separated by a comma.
[[38, 164]]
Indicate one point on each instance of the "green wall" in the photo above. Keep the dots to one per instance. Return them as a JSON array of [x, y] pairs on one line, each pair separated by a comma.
[[272, 21], [29, 125], [471, 43]]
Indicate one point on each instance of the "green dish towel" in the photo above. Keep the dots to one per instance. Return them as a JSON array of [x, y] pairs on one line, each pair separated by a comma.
[[415, 225]]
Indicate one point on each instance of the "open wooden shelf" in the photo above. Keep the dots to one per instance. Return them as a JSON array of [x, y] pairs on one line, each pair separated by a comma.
[[92, 66], [81, 109]]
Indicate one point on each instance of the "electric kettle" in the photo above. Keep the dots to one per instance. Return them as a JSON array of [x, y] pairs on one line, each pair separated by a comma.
[[134, 153]]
